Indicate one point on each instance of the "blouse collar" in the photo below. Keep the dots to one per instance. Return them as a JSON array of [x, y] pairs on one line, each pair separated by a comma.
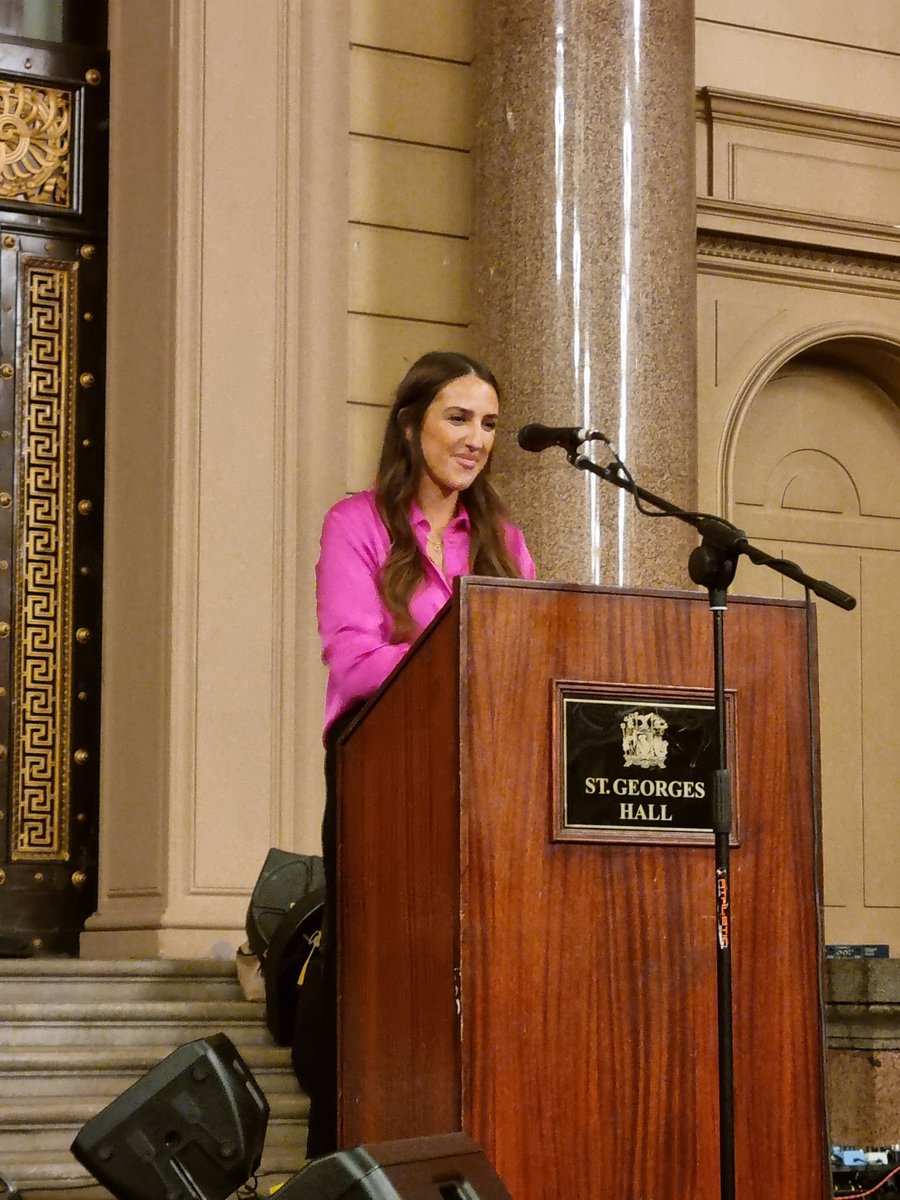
[[419, 521]]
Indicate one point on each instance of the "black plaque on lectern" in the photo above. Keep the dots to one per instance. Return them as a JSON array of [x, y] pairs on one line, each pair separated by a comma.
[[634, 765]]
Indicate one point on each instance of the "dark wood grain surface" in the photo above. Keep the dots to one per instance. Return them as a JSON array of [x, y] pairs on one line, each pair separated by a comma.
[[584, 1060], [398, 856]]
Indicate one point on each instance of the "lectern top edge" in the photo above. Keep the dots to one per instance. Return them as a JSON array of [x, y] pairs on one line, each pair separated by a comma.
[[464, 583]]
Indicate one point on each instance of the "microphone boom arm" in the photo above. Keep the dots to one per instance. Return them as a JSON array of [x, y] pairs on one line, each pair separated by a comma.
[[719, 536]]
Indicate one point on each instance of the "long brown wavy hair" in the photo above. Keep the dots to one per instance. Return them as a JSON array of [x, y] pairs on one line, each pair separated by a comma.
[[397, 481]]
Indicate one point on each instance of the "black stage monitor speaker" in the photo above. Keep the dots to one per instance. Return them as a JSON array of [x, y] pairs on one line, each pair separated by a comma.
[[192, 1128], [446, 1167]]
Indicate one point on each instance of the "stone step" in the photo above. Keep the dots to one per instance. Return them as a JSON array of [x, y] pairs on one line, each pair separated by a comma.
[[46, 1175], [131, 1023], [106, 1071], [104, 1089], [51, 1125], [58, 1111], [137, 1059], [46, 1171], [79, 981], [106, 1025]]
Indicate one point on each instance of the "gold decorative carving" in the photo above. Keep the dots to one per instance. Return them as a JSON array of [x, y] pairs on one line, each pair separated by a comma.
[[45, 428], [35, 144]]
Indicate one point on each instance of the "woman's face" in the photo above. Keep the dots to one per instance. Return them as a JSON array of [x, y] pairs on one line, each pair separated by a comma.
[[457, 435]]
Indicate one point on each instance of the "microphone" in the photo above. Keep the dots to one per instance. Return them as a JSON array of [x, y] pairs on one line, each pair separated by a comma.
[[541, 437]]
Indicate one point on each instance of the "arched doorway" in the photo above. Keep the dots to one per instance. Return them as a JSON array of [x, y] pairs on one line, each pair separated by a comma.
[[814, 477]]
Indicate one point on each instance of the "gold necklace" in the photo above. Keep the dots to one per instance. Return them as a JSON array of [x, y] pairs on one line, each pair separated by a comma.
[[435, 550]]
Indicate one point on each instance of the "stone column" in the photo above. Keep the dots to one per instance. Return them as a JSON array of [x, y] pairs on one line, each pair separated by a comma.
[[585, 268]]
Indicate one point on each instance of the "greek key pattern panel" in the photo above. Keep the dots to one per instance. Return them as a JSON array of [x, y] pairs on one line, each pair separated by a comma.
[[43, 581], [35, 144]]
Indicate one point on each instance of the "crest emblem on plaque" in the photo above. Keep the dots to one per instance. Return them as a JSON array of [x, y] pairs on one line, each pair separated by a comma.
[[643, 740]]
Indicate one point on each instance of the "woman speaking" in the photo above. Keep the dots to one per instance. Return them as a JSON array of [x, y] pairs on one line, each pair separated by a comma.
[[386, 568]]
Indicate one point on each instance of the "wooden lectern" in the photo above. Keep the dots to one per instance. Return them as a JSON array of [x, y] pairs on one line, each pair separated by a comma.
[[556, 999]]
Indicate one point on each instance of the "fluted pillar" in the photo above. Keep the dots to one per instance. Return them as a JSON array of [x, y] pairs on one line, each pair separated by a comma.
[[585, 267]]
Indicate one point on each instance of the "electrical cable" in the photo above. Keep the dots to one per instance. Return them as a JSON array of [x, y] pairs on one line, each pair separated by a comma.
[[871, 1191]]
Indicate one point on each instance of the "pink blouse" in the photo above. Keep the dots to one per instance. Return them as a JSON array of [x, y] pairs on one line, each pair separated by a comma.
[[354, 624]]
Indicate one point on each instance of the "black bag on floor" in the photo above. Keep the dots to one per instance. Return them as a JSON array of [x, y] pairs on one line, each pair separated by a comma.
[[285, 880], [284, 925], [290, 967]]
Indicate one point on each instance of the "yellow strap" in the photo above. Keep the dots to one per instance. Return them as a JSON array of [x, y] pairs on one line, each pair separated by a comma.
[[313, 947]]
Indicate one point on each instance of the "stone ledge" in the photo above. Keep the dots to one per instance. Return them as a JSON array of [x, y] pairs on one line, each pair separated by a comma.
[[863, 981], [863, 1006]]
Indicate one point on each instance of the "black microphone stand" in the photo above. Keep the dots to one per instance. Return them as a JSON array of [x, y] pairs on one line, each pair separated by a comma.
[[712, 565]]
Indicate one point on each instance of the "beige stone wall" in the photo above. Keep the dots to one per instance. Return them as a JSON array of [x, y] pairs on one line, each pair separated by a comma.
[[782, 154], [411, 128], [816, 51], [315, 157], [798, 396], [226, 403]]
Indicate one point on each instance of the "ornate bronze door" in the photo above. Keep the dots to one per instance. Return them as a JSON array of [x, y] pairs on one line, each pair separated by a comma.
[[54, 107]]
